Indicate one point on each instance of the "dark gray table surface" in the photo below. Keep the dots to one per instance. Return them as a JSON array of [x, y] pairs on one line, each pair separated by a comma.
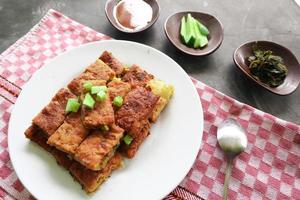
[[243, 20]]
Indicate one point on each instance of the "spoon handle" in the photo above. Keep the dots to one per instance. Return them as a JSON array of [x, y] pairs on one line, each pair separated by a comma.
[[227, 178]]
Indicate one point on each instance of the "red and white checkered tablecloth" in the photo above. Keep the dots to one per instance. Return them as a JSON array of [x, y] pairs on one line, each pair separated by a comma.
[[269, 169]]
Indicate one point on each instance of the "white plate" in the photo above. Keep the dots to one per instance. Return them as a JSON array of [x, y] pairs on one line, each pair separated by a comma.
[[162, 161]]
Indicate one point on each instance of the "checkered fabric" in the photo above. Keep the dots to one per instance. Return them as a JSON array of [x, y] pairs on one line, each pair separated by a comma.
[[268, 169]]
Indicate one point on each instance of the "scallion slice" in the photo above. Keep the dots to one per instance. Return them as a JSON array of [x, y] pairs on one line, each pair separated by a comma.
[[118, 101], [88, 86], [127, 139], [96, 89], [72, 105], [89, 101], [105, 128], [101, 95]]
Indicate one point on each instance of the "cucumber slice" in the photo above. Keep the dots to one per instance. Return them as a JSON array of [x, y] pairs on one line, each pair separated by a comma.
[[197, 34], [203, 30], [190, 30], [203, 41], [183, 31], [193, 33]]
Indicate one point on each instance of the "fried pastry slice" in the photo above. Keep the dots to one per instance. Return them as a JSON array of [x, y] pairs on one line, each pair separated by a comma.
[[96, 71], [138, 105], [137, 77], [101, 114], [164, 91], [130, 150], [76, 86], [36, 135], [91, 180], [161, 104], [98, 148], [53, 115], [118, 88], [112, 62], [101, 70], [69, 135]]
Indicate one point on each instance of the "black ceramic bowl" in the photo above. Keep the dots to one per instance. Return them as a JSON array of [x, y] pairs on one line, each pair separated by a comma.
[[109, 7]]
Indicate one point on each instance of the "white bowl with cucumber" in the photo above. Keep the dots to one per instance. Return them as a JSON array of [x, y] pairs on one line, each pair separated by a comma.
[[194, 33]]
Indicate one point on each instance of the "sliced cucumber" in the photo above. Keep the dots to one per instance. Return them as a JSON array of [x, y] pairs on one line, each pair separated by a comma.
[[203, 41], [193, 33], [190, 30], [203, 30], [197, 34], [183, 31]]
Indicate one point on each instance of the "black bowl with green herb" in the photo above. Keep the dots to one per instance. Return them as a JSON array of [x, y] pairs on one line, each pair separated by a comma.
[[270, 65]]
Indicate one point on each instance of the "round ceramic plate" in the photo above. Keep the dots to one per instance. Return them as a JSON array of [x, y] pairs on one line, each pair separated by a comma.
[[160, 164]]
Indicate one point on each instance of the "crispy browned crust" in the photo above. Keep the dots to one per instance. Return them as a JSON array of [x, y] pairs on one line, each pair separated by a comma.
[[62, 158], [160, 105], [93, 151], [36, 135], [53, 115], [69, 135], [118, 88], [101, 70], [112, 62], [130, 150], [137, 77], [91, 180], [102, 114], [96, 71], [135, 111]]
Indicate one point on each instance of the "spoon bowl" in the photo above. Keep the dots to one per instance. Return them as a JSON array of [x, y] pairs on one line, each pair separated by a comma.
[[233, 141], [231, 137]]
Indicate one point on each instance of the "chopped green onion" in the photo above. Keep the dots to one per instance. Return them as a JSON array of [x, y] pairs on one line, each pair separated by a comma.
[[101, 95], [105, 128], [88, 101], [118, 101], [88, 86], [127, 139], [72, 105], [96, 89]]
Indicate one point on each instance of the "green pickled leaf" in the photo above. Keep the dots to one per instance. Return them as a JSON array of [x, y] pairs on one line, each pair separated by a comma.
[[267, 67]]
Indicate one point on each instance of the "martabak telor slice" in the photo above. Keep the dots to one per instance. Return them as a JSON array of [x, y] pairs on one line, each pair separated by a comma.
[[53, 115], [70, 134], [112, 62], [96, 71], [95, 151]]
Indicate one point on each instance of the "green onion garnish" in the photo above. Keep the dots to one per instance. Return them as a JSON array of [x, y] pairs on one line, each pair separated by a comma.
[[101, 95], [72, 105], [88, 86], [127, 139], [96, 89], [105, 128], [88, 101], [118, 101]]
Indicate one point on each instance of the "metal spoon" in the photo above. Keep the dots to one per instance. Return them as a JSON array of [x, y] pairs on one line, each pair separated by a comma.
[[232, 140]]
